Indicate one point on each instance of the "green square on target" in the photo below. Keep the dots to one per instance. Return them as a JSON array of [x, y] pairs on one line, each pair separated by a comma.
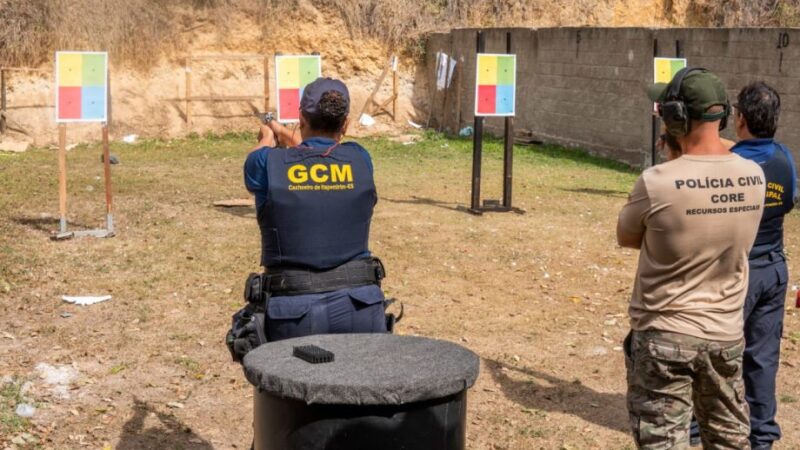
[[505, 70], [94, 70], [676, 65], [309, 70]]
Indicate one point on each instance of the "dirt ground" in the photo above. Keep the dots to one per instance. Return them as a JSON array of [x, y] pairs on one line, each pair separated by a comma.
[[541, 297]]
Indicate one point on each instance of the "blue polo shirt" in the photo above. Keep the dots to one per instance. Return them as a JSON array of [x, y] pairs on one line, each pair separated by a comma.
[[781, 191]]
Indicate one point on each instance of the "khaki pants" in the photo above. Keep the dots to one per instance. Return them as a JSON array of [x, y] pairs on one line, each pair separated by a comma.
[[671, 375]]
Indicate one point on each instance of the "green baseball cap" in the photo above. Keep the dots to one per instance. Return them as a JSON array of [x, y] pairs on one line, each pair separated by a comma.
[[699, 90]]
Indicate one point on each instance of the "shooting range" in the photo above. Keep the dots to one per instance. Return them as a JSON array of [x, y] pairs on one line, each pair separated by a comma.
[[82, 96], [513, 328]]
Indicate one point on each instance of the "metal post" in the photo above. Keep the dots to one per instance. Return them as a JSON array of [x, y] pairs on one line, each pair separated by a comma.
[[655, 124], [508, 152], [477, 145]]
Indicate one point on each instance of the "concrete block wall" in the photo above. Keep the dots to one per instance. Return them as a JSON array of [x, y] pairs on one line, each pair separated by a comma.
[[585, 87]]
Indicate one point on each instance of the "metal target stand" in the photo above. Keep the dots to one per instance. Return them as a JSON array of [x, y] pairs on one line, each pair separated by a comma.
[[503, 205]]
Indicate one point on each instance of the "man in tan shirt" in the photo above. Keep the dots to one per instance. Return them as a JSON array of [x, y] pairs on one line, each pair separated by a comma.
[[695, 219]]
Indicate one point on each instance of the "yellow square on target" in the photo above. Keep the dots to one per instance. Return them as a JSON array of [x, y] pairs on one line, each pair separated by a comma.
[[288, 73], [487, 70], [70, 69], [666, 68]]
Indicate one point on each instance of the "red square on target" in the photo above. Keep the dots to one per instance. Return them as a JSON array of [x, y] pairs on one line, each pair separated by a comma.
[[289, 104], [487, 99], [69, 102]]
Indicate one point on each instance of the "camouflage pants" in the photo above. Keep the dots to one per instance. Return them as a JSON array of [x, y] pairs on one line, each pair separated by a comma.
[[671, 375]]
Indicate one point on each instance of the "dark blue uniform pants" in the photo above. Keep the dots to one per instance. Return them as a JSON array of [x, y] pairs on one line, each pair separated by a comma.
[[353, 310], [763, 328]]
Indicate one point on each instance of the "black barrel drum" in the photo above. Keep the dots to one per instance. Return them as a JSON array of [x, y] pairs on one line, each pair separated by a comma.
[[381, 391]]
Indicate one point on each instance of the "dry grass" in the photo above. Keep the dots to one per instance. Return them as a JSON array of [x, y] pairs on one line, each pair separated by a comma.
[[139, 32], [134, 31], [746, 13]]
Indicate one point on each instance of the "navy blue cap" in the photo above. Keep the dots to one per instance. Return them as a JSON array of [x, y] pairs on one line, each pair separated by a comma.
[[314, 90]]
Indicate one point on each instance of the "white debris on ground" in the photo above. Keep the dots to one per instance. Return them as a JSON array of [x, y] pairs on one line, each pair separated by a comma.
[[57, 378], [25, 410], [85, 300]]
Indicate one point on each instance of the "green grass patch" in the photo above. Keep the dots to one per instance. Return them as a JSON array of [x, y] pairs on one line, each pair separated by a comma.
[[117, 368], [10, 397], [193, 368]]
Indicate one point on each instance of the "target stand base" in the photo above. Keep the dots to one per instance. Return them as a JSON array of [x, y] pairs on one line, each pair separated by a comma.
[[64, 234], [494, 206]]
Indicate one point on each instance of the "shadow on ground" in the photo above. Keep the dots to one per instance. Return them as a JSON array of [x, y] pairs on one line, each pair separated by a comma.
[[537, 390], [415, 200], [162, 431], [603, 192], [239, 211], [47, 224]]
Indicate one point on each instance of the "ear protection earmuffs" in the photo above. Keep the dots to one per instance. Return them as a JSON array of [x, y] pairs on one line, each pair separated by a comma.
[[674, 112]]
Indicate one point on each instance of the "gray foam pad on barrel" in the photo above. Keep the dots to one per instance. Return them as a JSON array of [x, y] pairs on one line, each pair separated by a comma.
[[369, 369]]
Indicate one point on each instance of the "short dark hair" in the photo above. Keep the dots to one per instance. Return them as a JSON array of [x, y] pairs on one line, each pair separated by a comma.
[[760, 105], [331, 113]]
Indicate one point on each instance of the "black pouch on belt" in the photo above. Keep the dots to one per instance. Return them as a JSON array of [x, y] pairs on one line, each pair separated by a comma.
[[247, 332], [248, 324]]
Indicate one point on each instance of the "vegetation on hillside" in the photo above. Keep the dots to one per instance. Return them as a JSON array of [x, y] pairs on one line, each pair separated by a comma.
[[139, 32]]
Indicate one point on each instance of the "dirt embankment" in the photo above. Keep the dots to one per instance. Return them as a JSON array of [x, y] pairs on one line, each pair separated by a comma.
[[150, 102], [355, 39]]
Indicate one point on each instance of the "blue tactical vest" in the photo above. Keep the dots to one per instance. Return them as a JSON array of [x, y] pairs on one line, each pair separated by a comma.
[[779, 201], [319, 206]]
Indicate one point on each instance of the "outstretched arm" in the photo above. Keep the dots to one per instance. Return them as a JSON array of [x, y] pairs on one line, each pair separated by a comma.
[[286, 137]]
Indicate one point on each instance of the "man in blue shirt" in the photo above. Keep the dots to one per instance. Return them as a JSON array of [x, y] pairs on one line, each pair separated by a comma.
[[314, 204], [757, 113]]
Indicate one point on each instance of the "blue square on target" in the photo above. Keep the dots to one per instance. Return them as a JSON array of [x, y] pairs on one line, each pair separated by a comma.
[[505, 99], [93, 103]]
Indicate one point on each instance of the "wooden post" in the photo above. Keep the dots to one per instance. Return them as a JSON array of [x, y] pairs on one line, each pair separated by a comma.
[[3, 90], [2, 101], [394, 90], [62, 175], [446, 86], [266, 83], [371, 98], [107, 168], [189, 91], [459, 70]]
